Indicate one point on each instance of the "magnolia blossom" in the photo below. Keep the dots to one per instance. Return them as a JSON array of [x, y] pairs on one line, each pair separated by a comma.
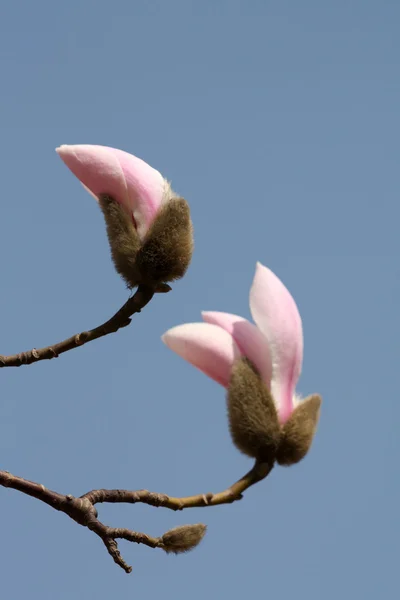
[[139, 188], [274, 345]]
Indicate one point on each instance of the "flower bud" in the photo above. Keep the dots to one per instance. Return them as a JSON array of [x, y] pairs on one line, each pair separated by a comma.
[[148, 226], [182, 539], [298, 431]]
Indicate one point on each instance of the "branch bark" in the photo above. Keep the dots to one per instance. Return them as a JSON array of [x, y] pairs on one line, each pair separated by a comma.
[[122, 318], [83, 511]]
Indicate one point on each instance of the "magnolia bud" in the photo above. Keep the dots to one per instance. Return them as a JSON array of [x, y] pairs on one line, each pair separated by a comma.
[[183, 538], [168, 245], [298, 431], [152, 243], [167, 248], [253, 419]]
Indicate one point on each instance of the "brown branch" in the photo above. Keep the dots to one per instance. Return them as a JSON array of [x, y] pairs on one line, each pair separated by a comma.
[[234, 492], [83, 511], [121, 319]]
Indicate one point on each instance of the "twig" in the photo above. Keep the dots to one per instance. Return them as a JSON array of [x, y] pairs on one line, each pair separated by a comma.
[[121, 319], [83, 511], [233, 493]]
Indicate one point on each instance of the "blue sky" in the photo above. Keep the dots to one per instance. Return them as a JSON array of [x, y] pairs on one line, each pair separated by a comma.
[[279, 122]]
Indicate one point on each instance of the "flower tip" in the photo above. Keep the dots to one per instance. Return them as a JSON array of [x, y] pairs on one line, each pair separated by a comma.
[[260, 267], [63, 150], [259, 272], [204, 314], [168, 337]]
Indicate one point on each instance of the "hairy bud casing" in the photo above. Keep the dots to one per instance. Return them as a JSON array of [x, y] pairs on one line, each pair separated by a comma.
[[166, 251], [182, 539], [298, 431], [123, 239], [168, 246], [253, 419]]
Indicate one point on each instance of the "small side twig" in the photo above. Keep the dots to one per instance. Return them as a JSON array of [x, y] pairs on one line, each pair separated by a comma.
[[122, 318], [82, 510]]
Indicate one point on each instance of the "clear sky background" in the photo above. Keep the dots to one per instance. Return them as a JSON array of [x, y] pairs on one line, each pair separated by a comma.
[[279, 122]]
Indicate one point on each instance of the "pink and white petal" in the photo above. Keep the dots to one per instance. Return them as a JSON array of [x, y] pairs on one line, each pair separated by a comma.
[[147, 189], [252, 343], [97, 169], [276, 315], [207, 347], [128, 179]]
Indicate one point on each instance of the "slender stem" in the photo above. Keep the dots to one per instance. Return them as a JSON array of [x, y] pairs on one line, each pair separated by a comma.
[[231, 494], [121, 319]]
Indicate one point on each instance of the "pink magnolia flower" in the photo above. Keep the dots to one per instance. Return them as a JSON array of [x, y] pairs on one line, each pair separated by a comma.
[[139, 188], [274, 345]]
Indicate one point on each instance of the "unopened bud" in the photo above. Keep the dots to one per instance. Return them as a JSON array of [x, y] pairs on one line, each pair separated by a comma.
[[183, 538], [298, 431], [253, 419]]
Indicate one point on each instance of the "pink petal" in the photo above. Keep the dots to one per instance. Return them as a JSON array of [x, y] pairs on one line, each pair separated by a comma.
[[207, 347], [128, 179], [251, 341], [276, 315]]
